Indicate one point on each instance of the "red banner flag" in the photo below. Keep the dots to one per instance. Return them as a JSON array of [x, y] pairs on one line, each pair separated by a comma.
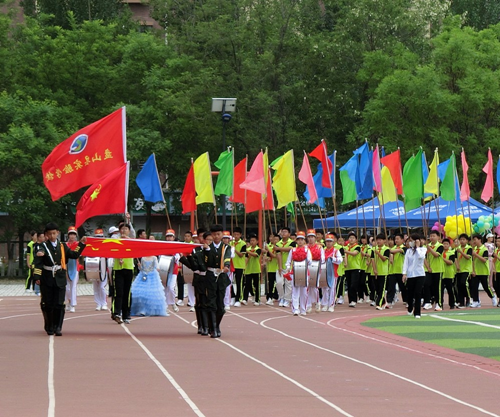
[[240, 174], [305, 175], [255, 180], [393, 164], [188, 197], [133, 248], [321, 154], [106, 196], [488, 185], [254, 202], [86, 156]]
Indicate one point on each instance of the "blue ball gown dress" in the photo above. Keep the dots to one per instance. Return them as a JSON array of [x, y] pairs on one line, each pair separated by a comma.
[[148, 294]]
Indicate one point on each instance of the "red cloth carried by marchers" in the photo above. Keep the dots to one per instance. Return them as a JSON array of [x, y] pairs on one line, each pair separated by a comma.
[[299, 254], [315, 252], [288, 276]]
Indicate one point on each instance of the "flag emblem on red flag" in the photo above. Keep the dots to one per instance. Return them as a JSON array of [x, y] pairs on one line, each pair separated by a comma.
[[106, 196], [86, 156]]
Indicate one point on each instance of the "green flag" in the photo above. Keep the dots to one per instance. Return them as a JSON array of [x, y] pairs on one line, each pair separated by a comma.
[[413, 182], [225, 163], [448, 185], [348, 188]]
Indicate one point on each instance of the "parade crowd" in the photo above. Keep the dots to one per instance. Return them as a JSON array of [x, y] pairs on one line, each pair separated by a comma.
[[304, 271]]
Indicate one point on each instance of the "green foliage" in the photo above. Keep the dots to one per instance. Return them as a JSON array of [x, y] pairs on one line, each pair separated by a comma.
[[477, 13]]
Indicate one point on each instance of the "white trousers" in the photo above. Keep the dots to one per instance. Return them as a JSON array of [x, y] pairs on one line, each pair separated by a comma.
[[191, 296], [100, 292], [284, 287], [312, 296], [227, 296], [71, 289], [329, 295], [170, 290], [299, 299]]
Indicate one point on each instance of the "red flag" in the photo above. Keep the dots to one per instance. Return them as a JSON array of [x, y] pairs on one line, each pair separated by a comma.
[[240, 174], [255, 180], [188, 197], [393, 164], [488, 185], [254, 202], [465, 189], [86, 156], [133, 248], [269, 201], [305, 175], [108, 195], [321, 154]]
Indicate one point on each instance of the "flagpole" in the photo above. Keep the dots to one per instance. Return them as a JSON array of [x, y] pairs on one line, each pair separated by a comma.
[[357, 221], [401, 178], [399, 214], [423, 199], [364, 219], [373, 211], [332, 187], [196, 216], [275, 222], [437, 197], [301, 212], [321, 217]]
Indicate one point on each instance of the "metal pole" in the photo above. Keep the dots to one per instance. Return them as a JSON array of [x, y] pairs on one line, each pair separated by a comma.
[[223, 197]]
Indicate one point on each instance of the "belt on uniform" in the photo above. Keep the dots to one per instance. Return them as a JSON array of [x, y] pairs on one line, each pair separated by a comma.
[[216, 271], [54, 268]]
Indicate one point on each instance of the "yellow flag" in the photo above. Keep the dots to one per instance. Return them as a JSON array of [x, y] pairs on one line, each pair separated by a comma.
[[431, 186], [203, 180], [284, 180], [388, 193]]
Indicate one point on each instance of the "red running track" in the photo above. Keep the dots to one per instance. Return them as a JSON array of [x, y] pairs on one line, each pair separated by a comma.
[[266, 363]]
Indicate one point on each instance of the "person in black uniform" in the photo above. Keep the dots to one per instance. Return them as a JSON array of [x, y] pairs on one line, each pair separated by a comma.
[[50, 273], [218, 262]]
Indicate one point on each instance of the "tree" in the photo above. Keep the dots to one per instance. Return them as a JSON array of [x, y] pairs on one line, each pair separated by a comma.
[[477, 13]]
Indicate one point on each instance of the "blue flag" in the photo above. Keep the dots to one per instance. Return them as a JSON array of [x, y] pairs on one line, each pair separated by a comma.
[[149, 182], [364, 175], [498, 174]]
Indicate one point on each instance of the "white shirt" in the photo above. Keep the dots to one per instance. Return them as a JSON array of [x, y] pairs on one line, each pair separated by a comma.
[[413, 265]]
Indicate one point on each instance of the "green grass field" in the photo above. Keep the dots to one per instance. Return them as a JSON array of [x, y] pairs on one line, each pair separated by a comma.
[[471, 334]]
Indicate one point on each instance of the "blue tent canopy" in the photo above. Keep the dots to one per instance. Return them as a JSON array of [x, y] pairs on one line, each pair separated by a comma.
[[365, 215], [371, 210]]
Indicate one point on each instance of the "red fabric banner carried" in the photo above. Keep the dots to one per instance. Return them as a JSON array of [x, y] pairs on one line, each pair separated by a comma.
[[106, 196], [133, 248], [254, 202], [488, 185], [393, 164], [188, 197], [240, 174], [269, 201], [321, 154], [86, 156]]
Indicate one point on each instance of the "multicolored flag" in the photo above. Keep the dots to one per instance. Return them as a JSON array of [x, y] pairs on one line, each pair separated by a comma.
[[148, 181], [106, 196], [86, 156], [348, 174], [393, 164]]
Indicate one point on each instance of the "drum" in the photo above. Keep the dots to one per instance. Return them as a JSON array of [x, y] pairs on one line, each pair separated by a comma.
[[322, 281], [188, 274], [93, 269], [300, 273], [314, 273], [166, 266]]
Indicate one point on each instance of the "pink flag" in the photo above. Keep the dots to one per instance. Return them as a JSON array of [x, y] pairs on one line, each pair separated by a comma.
[[488, 185], [377, 176], [305, 175], [465, 189], [255, 179]]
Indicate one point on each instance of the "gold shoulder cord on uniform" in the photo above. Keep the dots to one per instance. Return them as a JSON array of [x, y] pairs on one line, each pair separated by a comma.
[[63, 257]]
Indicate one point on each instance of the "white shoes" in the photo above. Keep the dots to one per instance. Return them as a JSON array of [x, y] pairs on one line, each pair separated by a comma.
[[180, 303], [303, 314], [237, 304], [295, 313], [243, 302], [175, 308], [475, 304], [427, 306], [281, 304], [256, 303], [494, 301], [104, 307], [72, 309], [318, 307], [286, 304], [270, 302], [233, 301], [324, 308], [309, 310], [227, 308], [192, 309], [372, 303], [68, 307], [361, 301], [437, 308], [98, 308], [417, 317], [352, 304], [331, 309], [340, 300]]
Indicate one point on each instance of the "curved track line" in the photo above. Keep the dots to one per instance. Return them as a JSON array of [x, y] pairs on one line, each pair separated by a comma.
[[170, 378], [19, 315], [369, 365], [477, 323], [270, 368]]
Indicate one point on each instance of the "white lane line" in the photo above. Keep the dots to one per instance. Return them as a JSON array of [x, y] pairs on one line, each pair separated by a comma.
[[50, 380], [369, 365], [19, 315], [393, 344], [477, 323], [281, 374], [170, 378]]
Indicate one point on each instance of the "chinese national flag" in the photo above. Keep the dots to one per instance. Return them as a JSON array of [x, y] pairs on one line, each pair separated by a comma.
[[188, 197], [86, 156], [108, 195]]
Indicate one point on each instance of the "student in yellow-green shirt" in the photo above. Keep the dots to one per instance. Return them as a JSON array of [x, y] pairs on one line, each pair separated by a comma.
[[239, 246], [496, 272], [353, 266], [480, 272], [252, 271], [450, 269], [435, 268], [398, 250], [272, 267], [380, 255], [363, 276]]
